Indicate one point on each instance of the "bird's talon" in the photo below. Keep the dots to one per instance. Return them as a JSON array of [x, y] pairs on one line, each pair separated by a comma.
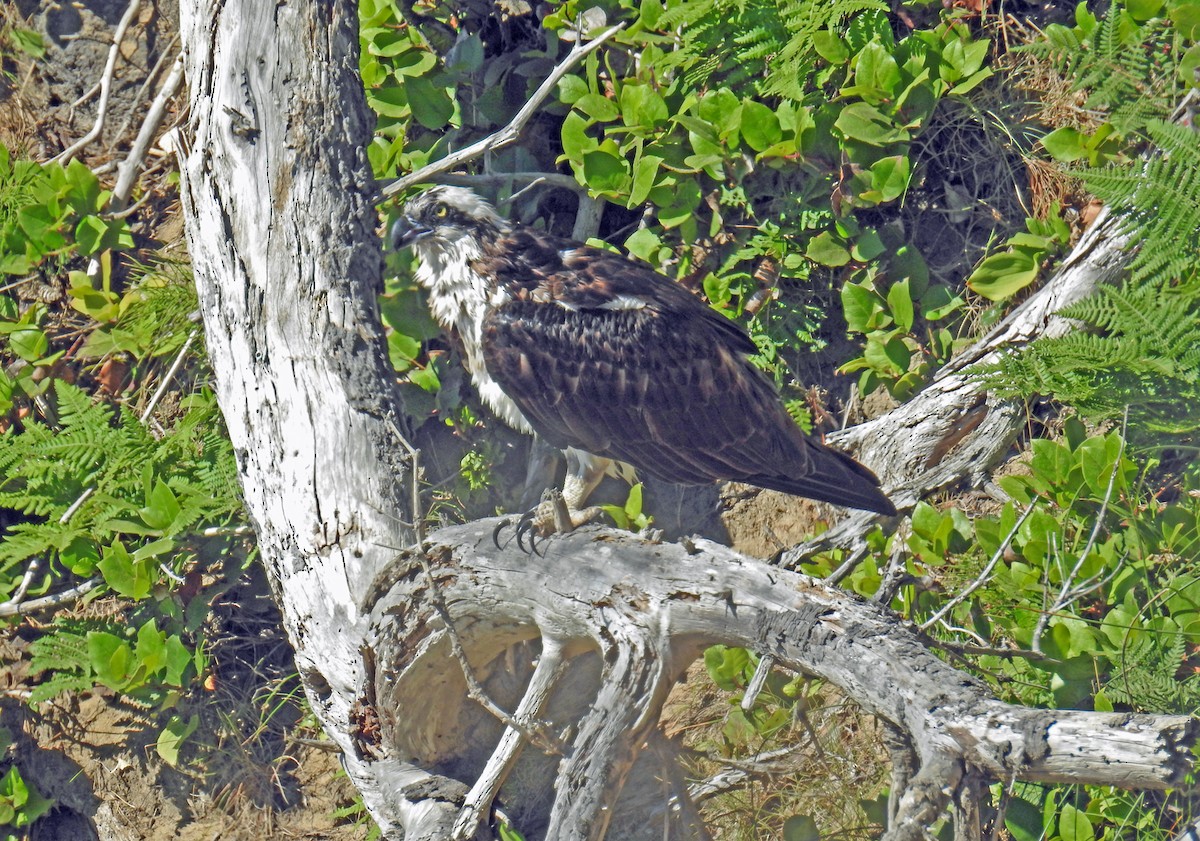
[[501, 526]]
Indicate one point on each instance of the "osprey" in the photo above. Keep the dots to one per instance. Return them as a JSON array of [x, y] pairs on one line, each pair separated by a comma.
[[611, 361]]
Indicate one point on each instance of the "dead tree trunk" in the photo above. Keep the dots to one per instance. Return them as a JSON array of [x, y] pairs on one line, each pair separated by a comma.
[[390, 641]]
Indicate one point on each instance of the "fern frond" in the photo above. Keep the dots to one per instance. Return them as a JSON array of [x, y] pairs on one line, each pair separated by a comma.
[[1139, 350], [1159, 200]]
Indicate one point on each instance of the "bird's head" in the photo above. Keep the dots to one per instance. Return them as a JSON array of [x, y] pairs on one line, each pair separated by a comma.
[[440, 218]]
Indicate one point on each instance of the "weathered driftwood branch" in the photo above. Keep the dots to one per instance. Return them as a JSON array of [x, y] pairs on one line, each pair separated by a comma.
[[954, 430], [649, 609]]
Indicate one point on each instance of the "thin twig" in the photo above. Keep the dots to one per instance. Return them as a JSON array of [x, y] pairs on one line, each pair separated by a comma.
[[983, 576], [105, 86], [1067, 593], [163, 58], [128, 171], [483, 793], [554, 179], [536, 734], [11, 608], [510, 132], [166, 381]]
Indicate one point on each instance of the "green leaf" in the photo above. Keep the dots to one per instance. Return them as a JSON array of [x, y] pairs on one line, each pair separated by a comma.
[[1143, 10], [645, 168], [576, 141], [865, 123], [123, 574], [876, 73], [172, 737], [149, 651], [162, 507], [889, 177], [1073, 825], [1003, 275], [1024, 821], [642, 107], [860, 306], [684, 201], [571, 88], [830, 47], [760, 126], [901, 305], [826, 250], [110, 658], [431, 105], [598, 107], [1066, 144], [90, 234], [604, 172], [80, 556], [177, 658], [29, 343]]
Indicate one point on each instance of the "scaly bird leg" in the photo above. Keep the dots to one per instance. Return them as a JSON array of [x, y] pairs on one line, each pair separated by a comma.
[[561, 512]]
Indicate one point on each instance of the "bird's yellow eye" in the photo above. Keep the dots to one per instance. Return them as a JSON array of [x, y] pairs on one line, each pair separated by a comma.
[[441, 212]]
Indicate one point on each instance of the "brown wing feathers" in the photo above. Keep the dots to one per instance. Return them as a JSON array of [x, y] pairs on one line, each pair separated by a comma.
[[610, 357]]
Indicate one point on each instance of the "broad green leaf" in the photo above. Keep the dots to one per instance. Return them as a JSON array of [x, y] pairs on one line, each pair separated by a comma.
[[162, 507], [865, 123], [431, 105], [29, 343], [598, 107], [1073, 825], [685, 199], [80, 556], [1003, 275], [901, 305], [177, 658], [889, 177], [760, 126], [149, 650], [110, 658], [1024, 821], [1143, 10], [173, 736], [643, 243], [576, 141], [645, 168], [390, 101], [876, 74], [860, 306], [604, 172], [1066, 144], [830, 47], [571, 88], [880, 354], [826, 250], [90, 234], [642, 107], [123, 574]]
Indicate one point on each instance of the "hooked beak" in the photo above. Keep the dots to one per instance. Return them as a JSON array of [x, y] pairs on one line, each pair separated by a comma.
[[406, 231]]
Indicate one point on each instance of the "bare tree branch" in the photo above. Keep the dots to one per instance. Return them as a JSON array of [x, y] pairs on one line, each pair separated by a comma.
[[510, 132]]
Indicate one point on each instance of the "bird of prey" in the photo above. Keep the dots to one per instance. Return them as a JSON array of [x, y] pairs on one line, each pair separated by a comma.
[[611, 361]]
